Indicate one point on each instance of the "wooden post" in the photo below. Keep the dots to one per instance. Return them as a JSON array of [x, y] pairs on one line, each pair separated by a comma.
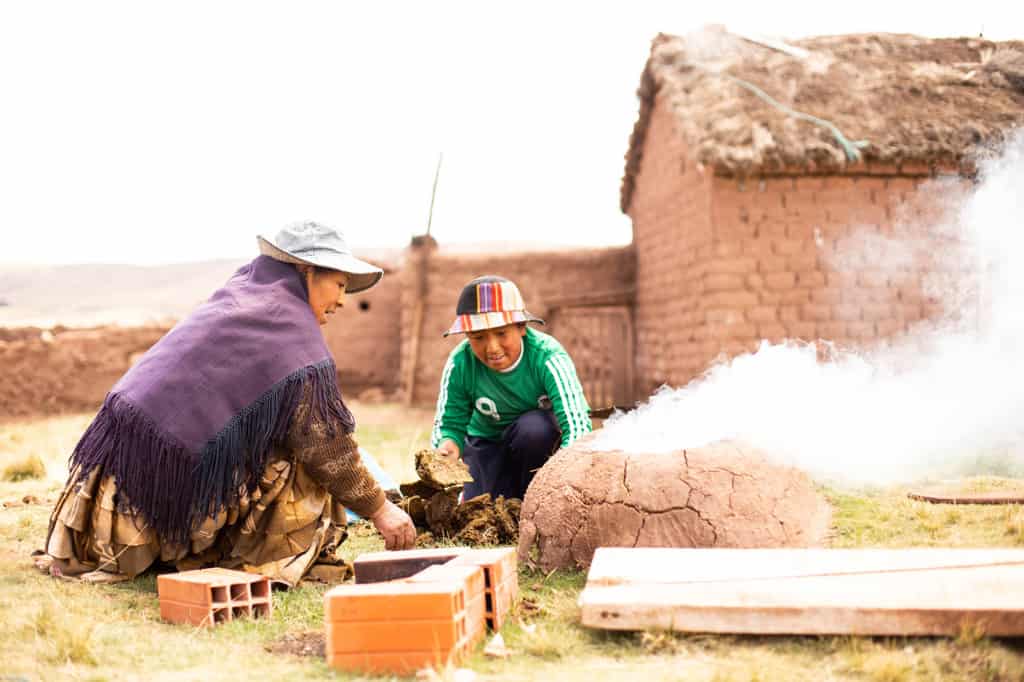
[[423, 244]]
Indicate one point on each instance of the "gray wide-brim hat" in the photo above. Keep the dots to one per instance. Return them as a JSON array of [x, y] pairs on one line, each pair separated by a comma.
[[311, 243]]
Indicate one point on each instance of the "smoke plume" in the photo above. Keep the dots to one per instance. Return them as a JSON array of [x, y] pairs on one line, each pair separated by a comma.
[[946, 399]]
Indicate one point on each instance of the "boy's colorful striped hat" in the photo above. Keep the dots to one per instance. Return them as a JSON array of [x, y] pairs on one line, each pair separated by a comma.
[[487, 302]]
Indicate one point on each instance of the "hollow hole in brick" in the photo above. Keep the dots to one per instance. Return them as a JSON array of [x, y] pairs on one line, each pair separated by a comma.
[[460, 601], [219, 594], [488, 602], [240, 592], [487, 577], [240, 611], [261, 610], [221, 616], [261, 589]]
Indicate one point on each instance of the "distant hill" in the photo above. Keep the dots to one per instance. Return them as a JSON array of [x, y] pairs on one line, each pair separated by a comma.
[[90, 295]]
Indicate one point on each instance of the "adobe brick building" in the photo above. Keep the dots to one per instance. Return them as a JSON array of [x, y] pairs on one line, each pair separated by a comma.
[[365, 340], [751, 221], [389, 340], [583, 295]]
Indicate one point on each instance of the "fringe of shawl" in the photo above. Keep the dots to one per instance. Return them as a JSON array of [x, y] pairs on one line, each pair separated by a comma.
[[174, 489]]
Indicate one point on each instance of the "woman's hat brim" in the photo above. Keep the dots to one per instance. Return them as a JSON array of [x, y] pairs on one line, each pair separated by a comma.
[[362, 275], [480, 321]]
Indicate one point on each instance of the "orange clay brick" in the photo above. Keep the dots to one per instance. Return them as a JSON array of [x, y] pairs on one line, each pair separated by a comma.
[[500, 603], [476, 619], [472, 578], [435, 614], [402, 635], [498, 563], [394, 601], [401, 626], [193, 614], [396, 662], [212, 595]]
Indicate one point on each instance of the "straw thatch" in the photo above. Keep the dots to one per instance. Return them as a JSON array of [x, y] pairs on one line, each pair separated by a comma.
[[907, 99]]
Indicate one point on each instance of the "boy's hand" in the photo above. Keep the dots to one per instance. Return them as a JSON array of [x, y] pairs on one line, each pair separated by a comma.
[[396, 527], [449, 449]]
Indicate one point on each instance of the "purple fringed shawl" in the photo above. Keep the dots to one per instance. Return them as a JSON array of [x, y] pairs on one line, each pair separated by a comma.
[[189, 427]]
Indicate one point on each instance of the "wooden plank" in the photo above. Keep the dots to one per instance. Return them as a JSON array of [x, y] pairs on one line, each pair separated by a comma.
[[945, 496], [866, 592], [647, 565]]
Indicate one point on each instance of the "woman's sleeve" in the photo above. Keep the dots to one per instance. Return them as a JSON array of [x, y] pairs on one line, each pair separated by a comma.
[[454, 406], [566, 395], [331, 456]]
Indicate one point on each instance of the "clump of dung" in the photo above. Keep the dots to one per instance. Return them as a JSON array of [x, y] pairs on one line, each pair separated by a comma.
[[433, 504]]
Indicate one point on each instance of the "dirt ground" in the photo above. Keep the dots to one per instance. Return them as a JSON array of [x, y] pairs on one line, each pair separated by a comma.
[[49, 372]]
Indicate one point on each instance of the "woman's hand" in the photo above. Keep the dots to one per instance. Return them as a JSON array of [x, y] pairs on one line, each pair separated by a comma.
[[396, 527], [449, 449]]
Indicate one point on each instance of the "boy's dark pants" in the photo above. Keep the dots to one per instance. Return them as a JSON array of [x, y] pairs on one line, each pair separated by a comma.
[[506, 466]]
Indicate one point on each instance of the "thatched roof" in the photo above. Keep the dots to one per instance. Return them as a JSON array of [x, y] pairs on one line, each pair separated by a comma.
[[910, 99]]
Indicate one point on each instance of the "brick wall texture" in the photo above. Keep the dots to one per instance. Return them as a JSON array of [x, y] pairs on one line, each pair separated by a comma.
[[717, 265], [723, 263], [365, 338], [544, 278]]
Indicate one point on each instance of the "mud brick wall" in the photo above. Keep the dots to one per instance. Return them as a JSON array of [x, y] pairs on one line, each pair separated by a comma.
[[365, 338], [544, 278], [724, 262], [63, 370], [672, 232]]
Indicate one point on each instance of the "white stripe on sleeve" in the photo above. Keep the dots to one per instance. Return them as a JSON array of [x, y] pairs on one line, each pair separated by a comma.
[[442, 400], [572, 383], [566, 399]]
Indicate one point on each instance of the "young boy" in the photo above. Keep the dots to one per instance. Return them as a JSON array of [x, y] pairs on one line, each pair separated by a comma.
[[509, 394]]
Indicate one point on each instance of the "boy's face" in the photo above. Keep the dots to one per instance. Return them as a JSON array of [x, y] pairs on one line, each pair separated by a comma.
[[500, 347]]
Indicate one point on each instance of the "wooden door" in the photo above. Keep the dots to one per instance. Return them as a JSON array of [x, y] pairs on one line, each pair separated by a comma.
[[600, 341]]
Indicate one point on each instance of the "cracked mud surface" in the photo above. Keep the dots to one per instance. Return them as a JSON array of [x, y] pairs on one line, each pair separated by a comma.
[[721, 495]]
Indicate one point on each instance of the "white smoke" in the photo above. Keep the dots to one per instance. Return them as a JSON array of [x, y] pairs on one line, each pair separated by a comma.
[[946, 400]]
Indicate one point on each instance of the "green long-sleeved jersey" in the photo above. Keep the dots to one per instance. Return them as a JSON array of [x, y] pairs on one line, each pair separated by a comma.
[[476, 400]]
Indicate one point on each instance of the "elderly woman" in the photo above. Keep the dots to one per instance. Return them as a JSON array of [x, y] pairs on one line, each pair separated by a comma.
[[228, 443]]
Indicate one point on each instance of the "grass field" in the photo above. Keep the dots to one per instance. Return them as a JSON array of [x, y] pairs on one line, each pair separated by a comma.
[[63, 630]]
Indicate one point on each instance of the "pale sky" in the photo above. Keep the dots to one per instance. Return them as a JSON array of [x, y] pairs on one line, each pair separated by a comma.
[[143, 132]]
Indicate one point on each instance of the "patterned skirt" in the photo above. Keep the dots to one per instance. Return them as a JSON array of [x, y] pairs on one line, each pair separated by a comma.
[[284, 528]]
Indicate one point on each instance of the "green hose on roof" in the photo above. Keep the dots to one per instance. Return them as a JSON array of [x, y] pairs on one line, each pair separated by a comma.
[[852, 148]]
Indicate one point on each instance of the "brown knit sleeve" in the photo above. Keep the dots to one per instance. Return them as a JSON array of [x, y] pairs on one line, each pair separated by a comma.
[[332, 458]]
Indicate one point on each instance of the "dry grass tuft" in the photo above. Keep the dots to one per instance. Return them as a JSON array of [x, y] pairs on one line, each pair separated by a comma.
[[552, 640], [61, 641], [29, 467], [972, 633], [889, 669], [660, 642], [1014, 519]]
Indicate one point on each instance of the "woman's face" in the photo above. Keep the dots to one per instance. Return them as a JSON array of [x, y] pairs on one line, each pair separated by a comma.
[[326, 291]]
